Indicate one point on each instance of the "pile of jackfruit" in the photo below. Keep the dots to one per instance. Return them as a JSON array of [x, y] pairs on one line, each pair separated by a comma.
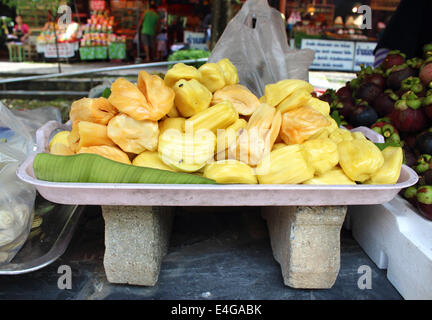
[[202, 121]]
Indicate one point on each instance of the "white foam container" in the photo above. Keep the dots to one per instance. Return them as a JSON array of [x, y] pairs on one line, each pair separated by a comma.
[[209, 195], [398, 239]]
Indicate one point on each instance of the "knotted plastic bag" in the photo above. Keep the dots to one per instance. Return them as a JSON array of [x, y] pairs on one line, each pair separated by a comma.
[[256, 43]]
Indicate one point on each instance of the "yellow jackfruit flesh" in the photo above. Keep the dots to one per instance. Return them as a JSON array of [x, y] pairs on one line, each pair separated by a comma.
[[286, 165], [322, 154], [87, 134], [219, 116], [360, 159], [244, 101], [150, 159], [109, 152], [97, 110], [172, 123], [132, 135], [187, 152], [191, 97], [212, 76], [300, 124], [390, 171], [296, 100], [59, 144], [230, 171], [276, 92], [181, 71], [229, 71], [335, 176], [319, 105], [340, 135], [151, 99]]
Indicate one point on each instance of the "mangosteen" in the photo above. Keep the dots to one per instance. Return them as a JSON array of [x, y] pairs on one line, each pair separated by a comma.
[[423, 143], [410, 194], [427, 104], [363, 115], [397, 74], [408, 116], [424, 201], [412, 84], [328, 96], [377, 79], [384, 103], [415, 63], [393, 58], [425, 74], [344, 93], [409, 157], [368, 91]]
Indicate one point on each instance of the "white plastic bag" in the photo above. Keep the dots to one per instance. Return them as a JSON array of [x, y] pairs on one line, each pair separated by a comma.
[[256, 43], [16, 197]]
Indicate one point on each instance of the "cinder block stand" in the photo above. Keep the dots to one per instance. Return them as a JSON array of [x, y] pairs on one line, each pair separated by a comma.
[[136, 240], [306, 243]]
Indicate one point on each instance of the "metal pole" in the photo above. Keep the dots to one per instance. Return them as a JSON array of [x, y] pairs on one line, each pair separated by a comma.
[[138, 58], [99, 70]]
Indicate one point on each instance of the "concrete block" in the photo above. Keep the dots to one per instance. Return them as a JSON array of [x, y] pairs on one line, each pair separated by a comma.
[[306, 243], [136, 240]]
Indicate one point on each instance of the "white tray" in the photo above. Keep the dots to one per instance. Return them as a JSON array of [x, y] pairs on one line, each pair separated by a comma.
[[209, 195]]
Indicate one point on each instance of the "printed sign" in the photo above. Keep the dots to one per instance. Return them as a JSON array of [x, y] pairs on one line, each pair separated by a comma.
[[330, 55], [364, 54], [196, 40], [65, 50]]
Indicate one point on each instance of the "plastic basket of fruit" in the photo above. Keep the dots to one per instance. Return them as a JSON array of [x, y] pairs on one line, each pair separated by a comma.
[[197, 138]]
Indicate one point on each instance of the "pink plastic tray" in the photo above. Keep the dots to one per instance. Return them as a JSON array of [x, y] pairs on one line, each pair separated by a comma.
[[209, 195]]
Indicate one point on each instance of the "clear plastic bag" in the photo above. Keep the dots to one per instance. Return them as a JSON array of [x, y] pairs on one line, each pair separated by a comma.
[[16, 197], [256, 43]]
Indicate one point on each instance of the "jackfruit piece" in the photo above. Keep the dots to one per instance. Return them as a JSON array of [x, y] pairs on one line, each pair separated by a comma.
[[172, 123], [390, 171], [340, 135], [319, 105], [258, 137], [108, 152], [187, 152], [300, 124], [181, 71], [295, 100], [87, 134], [358, 135], [335, 176], [150, 159], [322, 154], [212, 76], [229, 71], [191, 97], [276, 92], [244, 101], [360, 159], [151, 99], [227, 137], [132, 135], [285, 165], [97, 110], [219, 116], [230, 171]]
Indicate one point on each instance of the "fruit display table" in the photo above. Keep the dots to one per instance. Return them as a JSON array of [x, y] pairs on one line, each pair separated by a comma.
[[304, 222]]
